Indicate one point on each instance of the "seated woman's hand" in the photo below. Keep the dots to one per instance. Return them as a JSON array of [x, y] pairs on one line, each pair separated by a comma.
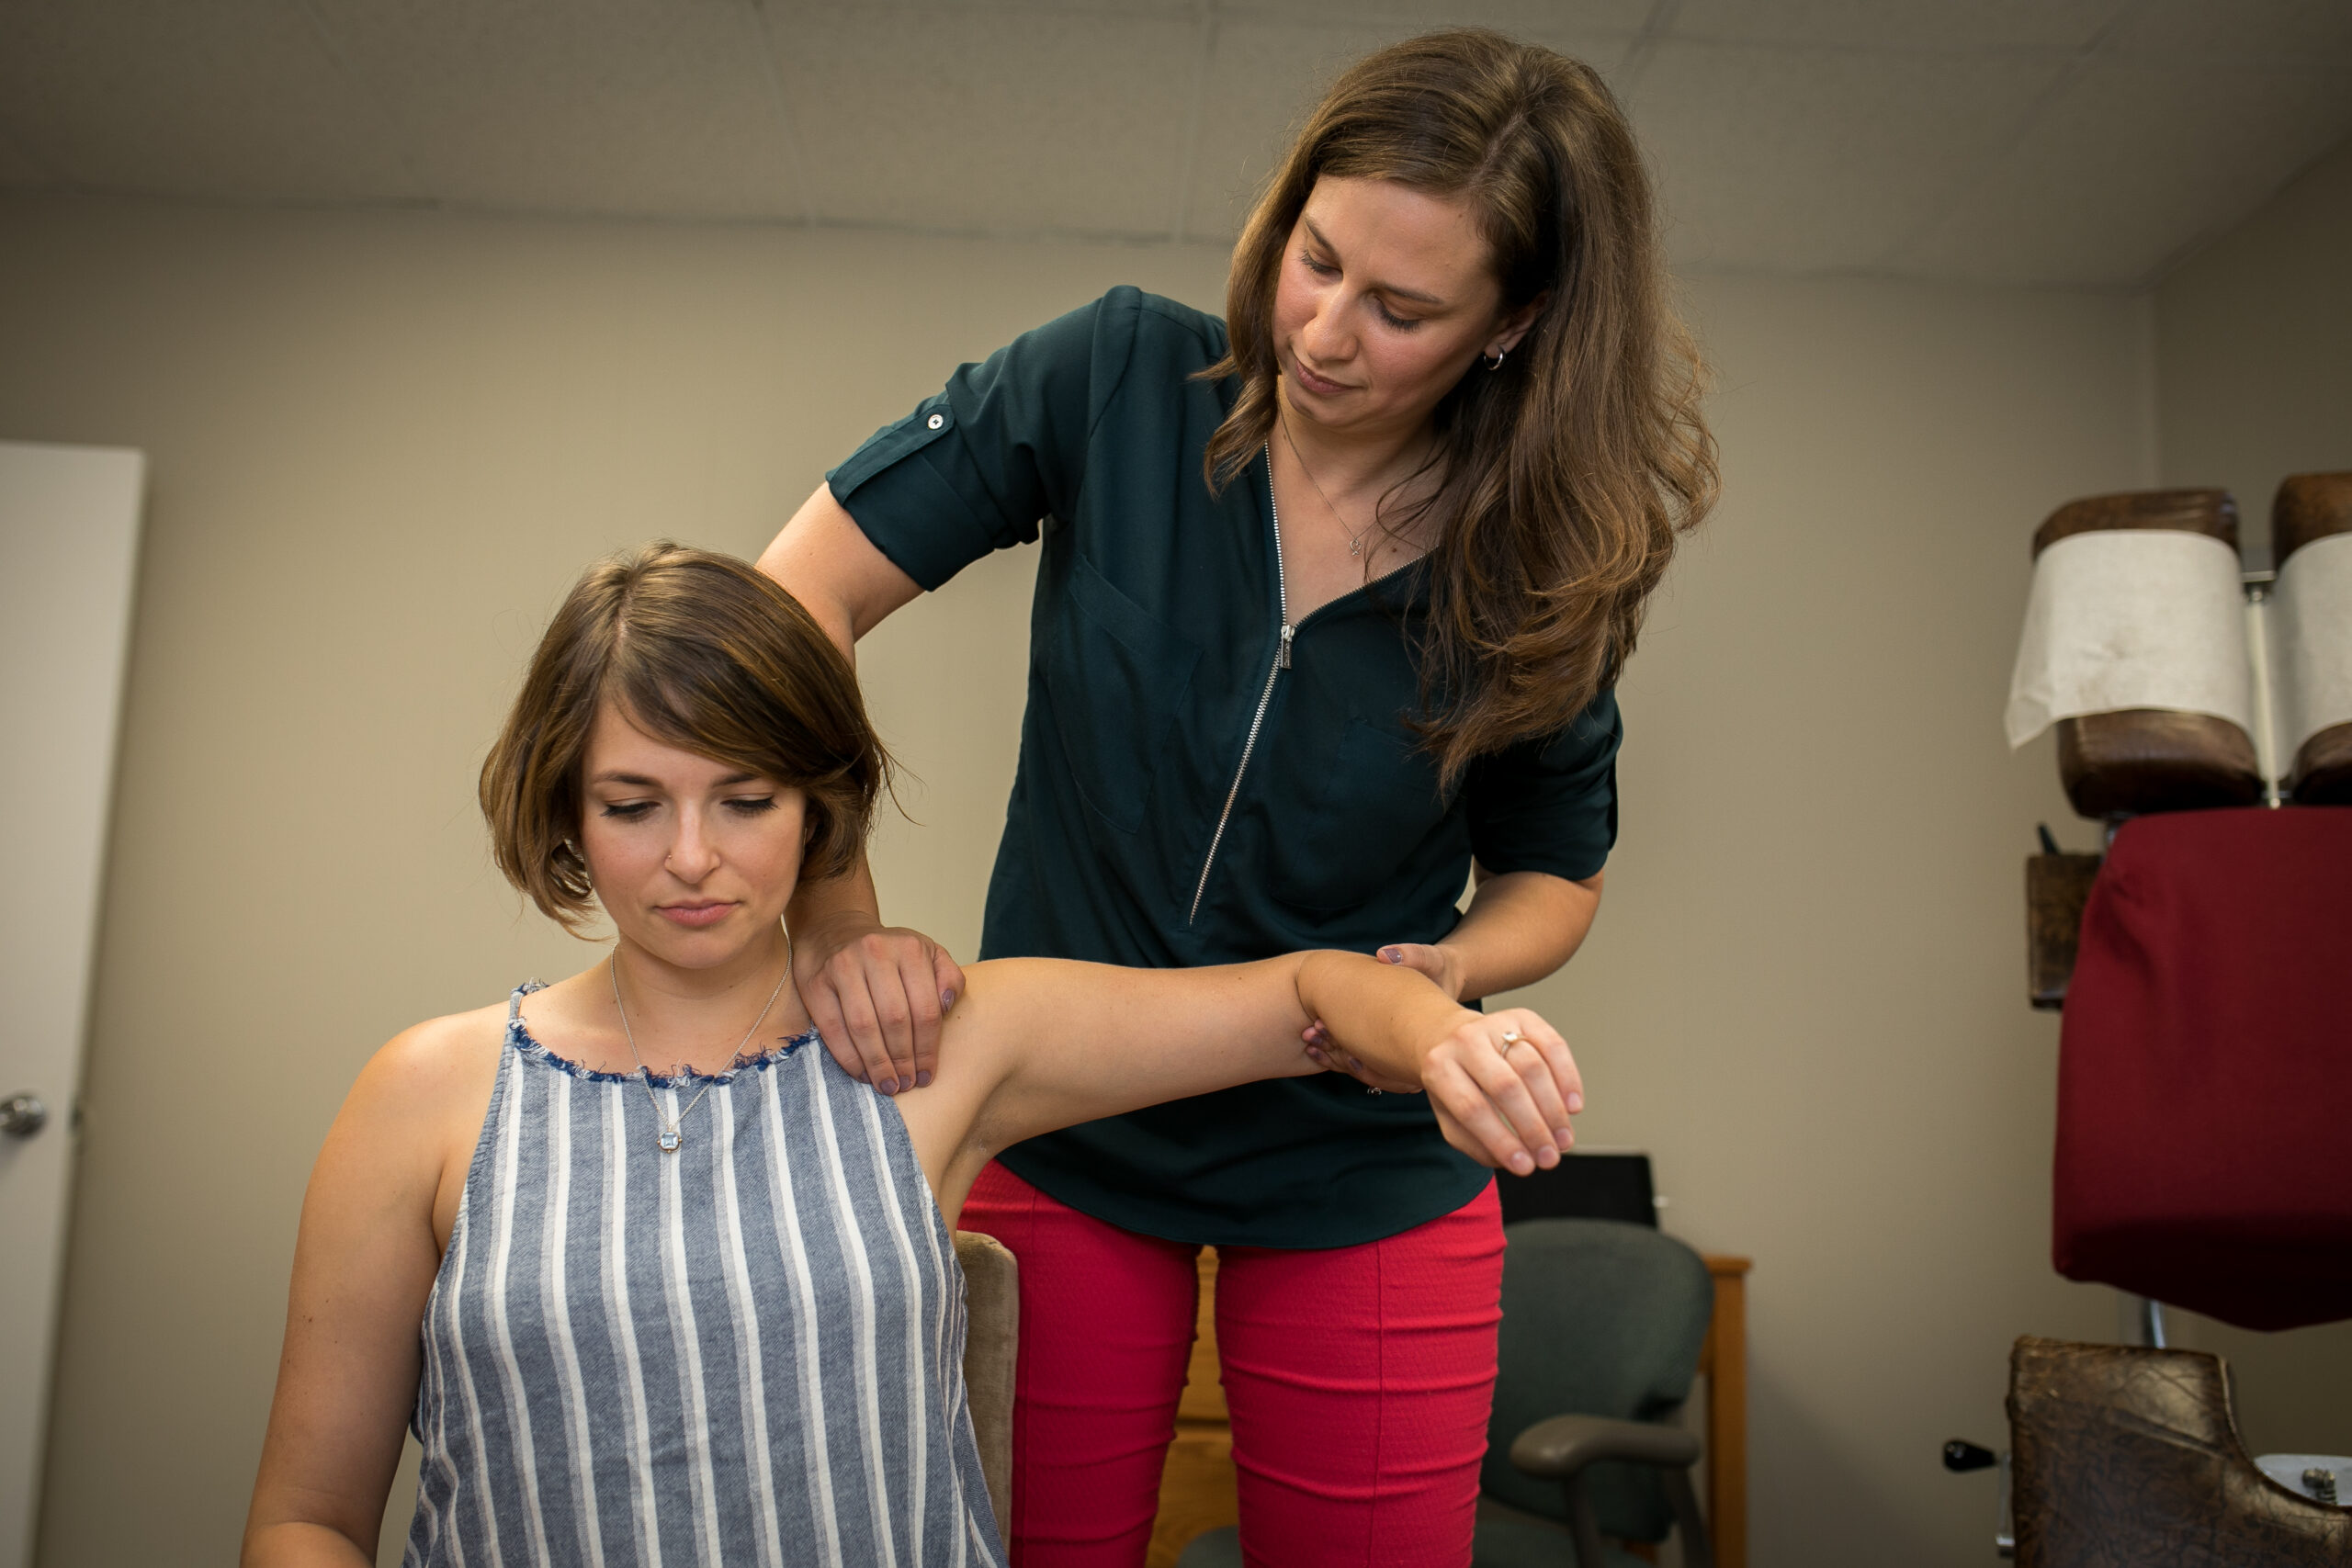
[[1503, 1084], [877, 994]]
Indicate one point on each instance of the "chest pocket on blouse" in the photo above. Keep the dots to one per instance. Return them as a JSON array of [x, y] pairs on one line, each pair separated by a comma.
[[1352, 802], [1115, 677]]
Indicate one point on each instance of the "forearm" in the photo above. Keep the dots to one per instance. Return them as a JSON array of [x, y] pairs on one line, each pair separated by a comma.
[[1520, 927], [294, 1544], [1384, 1015], [850, 896]]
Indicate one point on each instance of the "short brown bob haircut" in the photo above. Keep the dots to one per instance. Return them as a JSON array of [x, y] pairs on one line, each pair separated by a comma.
[[703, 652]]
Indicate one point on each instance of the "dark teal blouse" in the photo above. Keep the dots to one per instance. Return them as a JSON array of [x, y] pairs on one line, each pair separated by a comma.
[[1203, 780]]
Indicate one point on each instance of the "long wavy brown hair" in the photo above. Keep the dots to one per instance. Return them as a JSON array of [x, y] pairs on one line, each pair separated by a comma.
[[1563, 478]]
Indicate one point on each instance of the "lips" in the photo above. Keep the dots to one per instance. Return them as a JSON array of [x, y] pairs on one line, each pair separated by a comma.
[[1309, 381], [695, 915]]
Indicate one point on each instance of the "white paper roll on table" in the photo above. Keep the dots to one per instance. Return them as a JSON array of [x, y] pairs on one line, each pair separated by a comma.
[[2310, 635], [2131, 618], [2135, 646]]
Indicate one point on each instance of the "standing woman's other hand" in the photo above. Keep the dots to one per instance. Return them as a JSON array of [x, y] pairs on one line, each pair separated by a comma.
[[876, 993]]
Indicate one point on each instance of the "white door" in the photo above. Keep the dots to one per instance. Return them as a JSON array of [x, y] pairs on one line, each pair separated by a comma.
[[69, 536]]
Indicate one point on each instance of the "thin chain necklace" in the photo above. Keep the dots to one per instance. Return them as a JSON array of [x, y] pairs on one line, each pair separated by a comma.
[[1355, 540], [669, 1138]]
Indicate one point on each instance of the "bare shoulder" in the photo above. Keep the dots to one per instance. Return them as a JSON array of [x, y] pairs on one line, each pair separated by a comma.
[[432, 1070]]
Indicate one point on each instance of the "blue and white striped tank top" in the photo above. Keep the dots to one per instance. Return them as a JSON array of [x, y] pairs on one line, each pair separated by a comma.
[[749, 1352]]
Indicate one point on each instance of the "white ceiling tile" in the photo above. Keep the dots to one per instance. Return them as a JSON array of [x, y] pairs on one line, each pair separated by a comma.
[[599, 106], [1804, 161], [228, 99], [2206, 32], [1533, 20], [993, 119], [1265, 78], [1984, 25], [2133, 164]]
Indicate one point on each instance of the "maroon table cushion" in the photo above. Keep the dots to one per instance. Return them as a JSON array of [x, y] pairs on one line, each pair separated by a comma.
[[2205, 1068]]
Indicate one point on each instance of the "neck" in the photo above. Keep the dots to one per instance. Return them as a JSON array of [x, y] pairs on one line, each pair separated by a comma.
[[688, 1010], [1351, 462]]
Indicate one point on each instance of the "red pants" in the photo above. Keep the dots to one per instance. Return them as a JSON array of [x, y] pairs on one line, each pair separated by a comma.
[[1359, 1379]]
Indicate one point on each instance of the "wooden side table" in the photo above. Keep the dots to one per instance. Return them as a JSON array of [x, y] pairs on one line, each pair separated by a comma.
[[1198, 1486]]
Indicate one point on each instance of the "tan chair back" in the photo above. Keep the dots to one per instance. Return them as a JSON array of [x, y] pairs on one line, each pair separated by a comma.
[[992, 1297]]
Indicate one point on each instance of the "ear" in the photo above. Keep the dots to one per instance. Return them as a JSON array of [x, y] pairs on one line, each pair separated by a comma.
[[1516, 325]]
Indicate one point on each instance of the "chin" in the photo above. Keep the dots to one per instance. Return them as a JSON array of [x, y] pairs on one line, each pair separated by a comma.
[[700, 949]]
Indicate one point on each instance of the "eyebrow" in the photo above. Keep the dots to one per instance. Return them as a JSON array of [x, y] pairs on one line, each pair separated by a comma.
[[1401, 292], [638, 781]]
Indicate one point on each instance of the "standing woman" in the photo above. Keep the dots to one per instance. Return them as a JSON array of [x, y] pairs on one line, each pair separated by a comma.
[[1331, 599]]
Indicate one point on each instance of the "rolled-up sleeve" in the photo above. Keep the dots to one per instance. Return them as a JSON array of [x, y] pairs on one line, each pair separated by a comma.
[[1550, 804], [978, 466]]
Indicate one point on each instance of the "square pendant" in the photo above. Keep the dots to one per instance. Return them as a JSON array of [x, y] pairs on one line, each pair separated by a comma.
[[670, 1142]]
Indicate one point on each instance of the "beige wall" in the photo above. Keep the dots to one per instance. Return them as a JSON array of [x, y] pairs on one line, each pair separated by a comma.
[[2254, 348], [382, 446], [2253, 375]]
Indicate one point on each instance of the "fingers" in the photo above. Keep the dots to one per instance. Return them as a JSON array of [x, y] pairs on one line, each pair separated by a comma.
[[946, 983], [1433, 964], [861, 1024], [1512, 1035], [1511, 1095], [1485, 1133], [1461, 1139], [1419, 957], [824, 1007], [1327, 1055], [1560, 1065]]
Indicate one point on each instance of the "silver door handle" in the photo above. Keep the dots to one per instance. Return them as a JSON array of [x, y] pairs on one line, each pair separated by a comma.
[[22, 1115]]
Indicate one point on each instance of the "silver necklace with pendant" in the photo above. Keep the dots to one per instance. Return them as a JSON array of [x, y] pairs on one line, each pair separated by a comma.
[[669, 1137], [1355, 540]]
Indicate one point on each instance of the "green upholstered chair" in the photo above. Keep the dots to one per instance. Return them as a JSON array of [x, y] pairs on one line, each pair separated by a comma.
[[1602, 1324]]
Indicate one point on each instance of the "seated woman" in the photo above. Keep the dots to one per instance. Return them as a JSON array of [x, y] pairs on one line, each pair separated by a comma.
[[710, 1312]]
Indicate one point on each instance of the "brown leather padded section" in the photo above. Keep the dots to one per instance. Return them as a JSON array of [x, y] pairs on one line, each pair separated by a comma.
[[2322, 770], [2140, 759], [2056, 888], [2126, 1456], [2208, 512], [2308, 507]]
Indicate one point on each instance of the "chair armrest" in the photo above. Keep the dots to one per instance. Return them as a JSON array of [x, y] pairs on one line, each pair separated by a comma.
[[1562, 1446]]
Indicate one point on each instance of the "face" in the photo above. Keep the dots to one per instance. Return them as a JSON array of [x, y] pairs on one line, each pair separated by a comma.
[[694, 860], [1385, 297]]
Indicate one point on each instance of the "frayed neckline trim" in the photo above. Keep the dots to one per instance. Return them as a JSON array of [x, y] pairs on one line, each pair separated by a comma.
[[524, 1043]]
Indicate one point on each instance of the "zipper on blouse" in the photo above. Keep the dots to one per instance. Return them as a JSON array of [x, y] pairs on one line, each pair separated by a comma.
[[1257, 720]]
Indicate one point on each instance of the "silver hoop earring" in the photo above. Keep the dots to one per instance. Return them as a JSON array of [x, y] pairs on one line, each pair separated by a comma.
[[1496, 363]]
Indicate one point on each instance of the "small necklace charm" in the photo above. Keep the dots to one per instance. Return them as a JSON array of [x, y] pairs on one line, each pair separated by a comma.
[[667, 1135], [1355, 546]]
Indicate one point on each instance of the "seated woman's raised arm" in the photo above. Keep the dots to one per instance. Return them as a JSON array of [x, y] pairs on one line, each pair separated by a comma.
[[1041, 1043]]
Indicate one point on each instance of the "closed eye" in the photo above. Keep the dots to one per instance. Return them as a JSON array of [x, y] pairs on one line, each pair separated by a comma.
[[628, 810], [751, 805]]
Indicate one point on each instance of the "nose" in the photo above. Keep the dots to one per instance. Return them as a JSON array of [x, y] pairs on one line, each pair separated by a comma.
[[692, 855], [1324, 338]]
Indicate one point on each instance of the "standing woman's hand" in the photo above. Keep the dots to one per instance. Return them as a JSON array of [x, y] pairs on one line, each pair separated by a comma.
[[1504, 1087], [876, 993], [1441, 965]]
